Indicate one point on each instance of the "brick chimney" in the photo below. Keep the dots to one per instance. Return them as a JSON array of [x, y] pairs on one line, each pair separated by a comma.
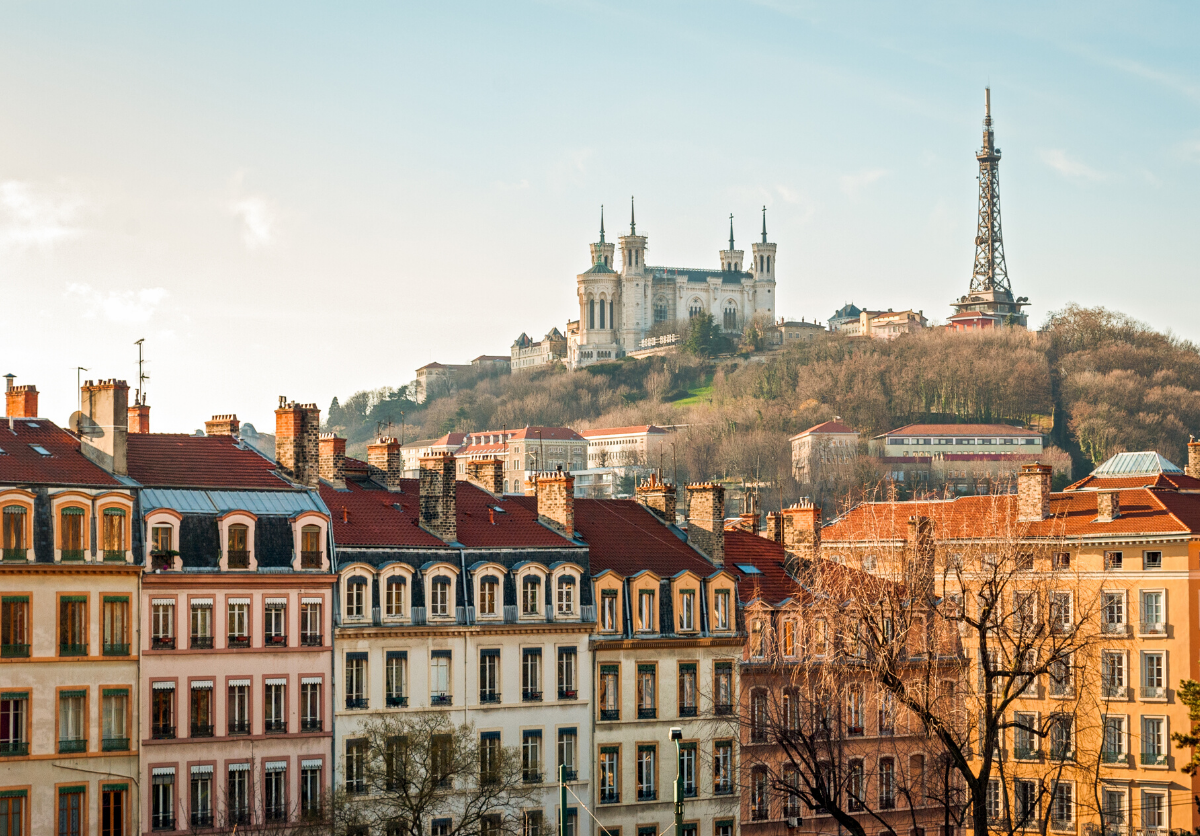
[[296, 429], [22, 401], [658, 496], [105, 433], [1033, 492], [487, 474], [223, 425], [438, 496], [385, 462], [706, 520], [1193, 463], [333, 460], [1108, 505], [774, 529], [556, 502], [139, 418], [800, 529]]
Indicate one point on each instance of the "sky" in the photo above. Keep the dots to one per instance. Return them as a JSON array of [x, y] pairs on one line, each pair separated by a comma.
[[303, 199]]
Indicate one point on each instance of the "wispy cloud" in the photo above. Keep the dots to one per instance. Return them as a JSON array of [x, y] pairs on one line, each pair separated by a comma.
[[36, 216], [1068, 166], [259, 221], [126, 307], [853, 184]]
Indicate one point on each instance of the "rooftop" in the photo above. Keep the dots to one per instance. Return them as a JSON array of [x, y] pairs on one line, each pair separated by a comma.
[[828, 428], [637, 430], [200, 461], [39, 452], [961, 430]]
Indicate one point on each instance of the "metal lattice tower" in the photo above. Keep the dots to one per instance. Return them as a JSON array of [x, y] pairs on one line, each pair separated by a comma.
[[990, 271]]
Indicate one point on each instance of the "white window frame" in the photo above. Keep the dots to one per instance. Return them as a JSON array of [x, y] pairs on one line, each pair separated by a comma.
[[1144, 683], [1147, 627]]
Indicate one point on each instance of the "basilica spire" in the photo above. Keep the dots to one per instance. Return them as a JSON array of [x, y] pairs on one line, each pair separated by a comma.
[[731, 232], [764, 224], [632, 218], [602, 223]]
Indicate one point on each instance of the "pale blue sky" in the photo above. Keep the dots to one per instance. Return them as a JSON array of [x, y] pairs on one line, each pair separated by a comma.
[[308, 199]]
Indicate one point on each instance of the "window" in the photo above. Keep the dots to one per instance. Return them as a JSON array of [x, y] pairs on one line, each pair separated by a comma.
[[1114, 812], [112, 811], [356, 597], [1061, 617], [887, 783], [72, 625], [70, 530], [820, 641], [687, 611], [275, 791], [531, 756], [531, 820], [1154, 741], [992, 800], [759, 800], [489, 595], [356, 766], [566, 674], [1062, 814], [687, 768], [1154, 811], [1154, 675], [1113, 561], [1062, 679], [609, 775], [531, 587], [439, 678], [489, 676], [72, 711], [275, 621], [275, 706], [201, 623], [15, 543], [14, 715], [310, 788], [1112, 674], [237, 793], [566, 595], [531, 673], [14, 626], [723, 688], [646, 620], [439, 827], [161, 547], [237, 553], [1061, 560], [789, 638], [202, 709], [71, 805], [310, 623], [397, 594], [162, 798], [723, 767], [114, 717], [647, 706], [759, 718], [162, 623], [1025, 735], [1114, 747], [112, 533], [238, 706], [201, 796], [721, 609], [608, 611], [310, 704], [647, 758], [356, 680], [310, 547], [239, 622], [887, 713], [1151, 560], [1062, 737], [1112, 613], [567, 743], [162, 710], [439, 597], [610, 697], [855, 725], [1153, 613], [1025, 802], [687, 689], [855, 786]]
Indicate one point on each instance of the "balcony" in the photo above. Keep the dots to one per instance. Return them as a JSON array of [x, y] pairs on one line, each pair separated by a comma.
[[441, 699], [1061, 824], [855, 731], [202, 642], [610, 714], [570, 774], [14, 651], [792, 811], [239, 728], [609, 796], [237, 559], [723, 709], [114, 556], [162, 731], [647, 712], [70, 747], [1153, 759], [887, 803], [276, 641], [530, 776], [314, 724], [1114, 628], [489, 697], [1026, 753], [275, 812], [72, 650], [311, 640], [15, 554], [162, 642], [1107, 756], [13, 748], [202, 819], [758, 735], [162, 821], [397, 701], [568, 694], [310, 560], [72, 555], [356, 702], [528, 695], [1152, 692], [161, 561], [687, 711], [647, 794], [114, 744], [723, 788], [202, 730], [115, 650], [758, 814], [275, 726], [237, 641], [1113, 692], [1152, 628]]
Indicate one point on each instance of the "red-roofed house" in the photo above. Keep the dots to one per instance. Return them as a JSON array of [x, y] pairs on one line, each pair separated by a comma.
[[830, 444]]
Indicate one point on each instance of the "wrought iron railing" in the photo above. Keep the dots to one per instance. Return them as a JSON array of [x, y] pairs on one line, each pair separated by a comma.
[[115, 744], [162, 642], [237, 641], [73, 650], [67, 747], [162, 731], [441, 699], [72, 555], [356, 702], [202, 642], [238, 559], [202, 730], [115, 650], [489, 696], [311, 639], [275, 726], [310, 560], [239, 728], [610, 714], [14, 651]]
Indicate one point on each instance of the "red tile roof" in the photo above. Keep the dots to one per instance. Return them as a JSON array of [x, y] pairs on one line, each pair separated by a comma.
[[66, 465], [959, 429], [603, 431], [773, 584], [200, 461], [828, 427]]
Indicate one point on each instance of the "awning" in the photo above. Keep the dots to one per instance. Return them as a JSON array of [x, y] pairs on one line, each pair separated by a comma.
[[311, 764], [163, 686], [310, 680], [239, 767], [159, 771], [239, 683], [275, 681], [275, 602], [162, 602], [275, 766], [202, 602], [206, 683], [237, 600], [311, 601], [203, 769]]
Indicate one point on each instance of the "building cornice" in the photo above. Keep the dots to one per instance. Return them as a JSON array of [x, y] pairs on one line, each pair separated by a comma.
[[650, 644], [292, 580], [71, 568], [457, 631]]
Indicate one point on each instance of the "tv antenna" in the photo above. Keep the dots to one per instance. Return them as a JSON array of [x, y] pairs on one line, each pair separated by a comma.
[[140, 396], [78, 384]]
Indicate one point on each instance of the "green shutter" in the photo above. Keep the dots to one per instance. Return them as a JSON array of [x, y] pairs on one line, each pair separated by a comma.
[[116, 692], [610, 750], [687, 666], [71, 790], [116, 599], [72, 512], [610, 669], [114, 512], [647, 747], [723, 823], [650, 668], [68, 695]]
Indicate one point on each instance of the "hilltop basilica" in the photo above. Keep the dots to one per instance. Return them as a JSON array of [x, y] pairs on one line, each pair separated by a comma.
[[617, 309]]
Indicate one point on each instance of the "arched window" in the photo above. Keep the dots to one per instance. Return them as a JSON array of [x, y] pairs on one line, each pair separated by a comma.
[[489, 595], [397, 596], [768, 264], [887, 783], [612, 321], [660, 310], [531, 587], [695, 308], [310, 547], [731, 317], [602, 307], [15, 543], [439, 603], [237, 552], [566, 595], [113, 534], [356, 597], [71, 529]]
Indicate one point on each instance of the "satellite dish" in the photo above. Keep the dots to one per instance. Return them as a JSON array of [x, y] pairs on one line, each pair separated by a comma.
[[83, 426]]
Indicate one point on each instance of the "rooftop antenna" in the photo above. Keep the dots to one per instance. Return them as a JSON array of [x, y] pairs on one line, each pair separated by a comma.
[[78, 387], [140, 397]]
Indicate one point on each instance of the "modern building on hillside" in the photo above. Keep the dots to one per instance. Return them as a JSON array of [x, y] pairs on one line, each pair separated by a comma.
[[479, 609], [524, 453], [830, 444], [1120, 546], [236, 653], [527, 354], [68, 615], [625, 447], [618, 308], [925, 439], [961, 458]]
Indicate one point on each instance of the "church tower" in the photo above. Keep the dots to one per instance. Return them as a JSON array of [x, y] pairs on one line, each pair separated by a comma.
[[598, 289], [603, 251], [633, 309], [764, 273], [731, 259]]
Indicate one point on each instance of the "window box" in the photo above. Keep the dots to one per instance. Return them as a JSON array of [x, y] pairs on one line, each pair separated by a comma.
[[238, 641], [162, 643], [356, 702], [202, 730], [66, 747], [162, 561], [72, 650], [14, 651], [277, 640], [531, 696], [568, 694], [855, 731], [162, 732], [115, 744]]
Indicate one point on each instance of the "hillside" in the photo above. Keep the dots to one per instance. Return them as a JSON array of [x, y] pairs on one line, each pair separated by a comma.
[[1097, 381]]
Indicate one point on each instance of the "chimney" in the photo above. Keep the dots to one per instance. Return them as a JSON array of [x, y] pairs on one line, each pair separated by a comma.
[[774, 530], [658, 496], [487, 474], [1108, 505], [296, 429], [800, 530], [1033, 492], [223, 425], [1193, 464], [139, 418], [22, 401], [556, 502], [385, 463], [706, 520], [105, 435], [438, 496], [333, 460]]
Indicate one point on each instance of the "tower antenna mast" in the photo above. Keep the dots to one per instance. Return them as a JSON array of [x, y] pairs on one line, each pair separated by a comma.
[[140, 397]]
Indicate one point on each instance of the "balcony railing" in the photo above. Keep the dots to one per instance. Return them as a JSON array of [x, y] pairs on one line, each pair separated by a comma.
[[356, 702], [73, 650], [723, 708], [489, 697], [311, 640], [202, 730], [72, 555], [202, 819], [647, 794], [275, 812], [310, 560], [1061, 753], [758, 814], [689, 791], [610, 714], [202, 642], [115, 650], [275, 726], [609, 796], [528, 695], [15, 554], [1153, 692], [855, 731], [441, 699], [1114, 628], [237, 559], [162, 731], [570, 775], [237, 641], [162, 821], [887, 803], [236, 728], [1026, 753], [647, 712], [723, 788], [161, 562], [1112, 692], [311, 724], [530, 776], [162, 642], [276, 640], [396, 701], [1154, 759], [1107, 756], [13, 748], [14, 651], [1057, 823], [115, 744], [67, 747], [114, 556], [1152, 628], [687, 711], [568, 694]]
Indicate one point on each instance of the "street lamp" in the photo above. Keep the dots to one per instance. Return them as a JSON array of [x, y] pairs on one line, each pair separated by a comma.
[[677, 736]]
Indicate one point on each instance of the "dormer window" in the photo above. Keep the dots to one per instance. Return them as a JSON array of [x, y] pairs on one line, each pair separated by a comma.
[[439, 597], [646, 610], [721, 609], [531, 588], [397, 594], [237, 552], [489, 595], [687, 610], [566, 595], [356, 597], [15, 543], [310, 547], [113, 534], [608, 610]]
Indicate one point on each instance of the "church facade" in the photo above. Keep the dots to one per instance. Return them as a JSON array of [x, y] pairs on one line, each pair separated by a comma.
[[618, 308]]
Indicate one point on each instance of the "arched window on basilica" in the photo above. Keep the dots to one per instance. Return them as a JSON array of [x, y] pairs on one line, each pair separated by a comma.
[[695, 308], [660, 310], [731, 317]]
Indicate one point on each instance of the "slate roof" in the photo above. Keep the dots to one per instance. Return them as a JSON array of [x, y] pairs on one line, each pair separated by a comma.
[[597, 269], [190, 461], [690, 274], [65, 465]]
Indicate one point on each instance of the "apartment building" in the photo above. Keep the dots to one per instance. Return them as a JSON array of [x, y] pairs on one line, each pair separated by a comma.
[[1114, 554], [414, 451], [68, 616], [235, 628], [625, 447], [524, 453], [830, 444], [453, 598]]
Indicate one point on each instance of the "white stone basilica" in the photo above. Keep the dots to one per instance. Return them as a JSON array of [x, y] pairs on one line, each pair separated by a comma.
[[618, 309]]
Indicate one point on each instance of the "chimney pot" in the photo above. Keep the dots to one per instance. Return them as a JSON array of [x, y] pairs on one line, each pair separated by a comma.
[[800, 529], [223, 425], [487, 474], [21, 401], [332, 452], [297, 427], [658, 496], [439, 496], [385, 462]]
